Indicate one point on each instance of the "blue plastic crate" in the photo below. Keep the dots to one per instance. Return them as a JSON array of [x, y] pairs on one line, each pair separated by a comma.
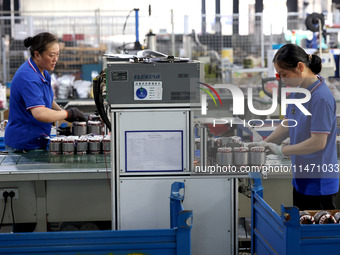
[[282, 234]]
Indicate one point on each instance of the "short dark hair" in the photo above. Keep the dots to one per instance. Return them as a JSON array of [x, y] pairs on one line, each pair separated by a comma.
[[39, 42], [289, 55]]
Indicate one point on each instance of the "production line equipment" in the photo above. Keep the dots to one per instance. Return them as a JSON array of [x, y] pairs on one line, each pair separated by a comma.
[[150, 113], [148, 104]]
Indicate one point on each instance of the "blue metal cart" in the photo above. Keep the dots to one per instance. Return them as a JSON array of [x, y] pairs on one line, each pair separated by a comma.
[[275, 234], [174, 241]]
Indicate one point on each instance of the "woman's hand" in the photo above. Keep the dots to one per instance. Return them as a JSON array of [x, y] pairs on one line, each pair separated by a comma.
[[73, 114], [273, 148]]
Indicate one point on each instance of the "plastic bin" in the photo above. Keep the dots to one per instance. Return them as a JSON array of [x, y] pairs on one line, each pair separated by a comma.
[[173, 241], [282, 234]]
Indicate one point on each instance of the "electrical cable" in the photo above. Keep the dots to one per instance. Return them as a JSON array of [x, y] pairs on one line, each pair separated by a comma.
[[126, 19], [11, 195], [98, 99], [3, 213], [12, 211], [124, 26]]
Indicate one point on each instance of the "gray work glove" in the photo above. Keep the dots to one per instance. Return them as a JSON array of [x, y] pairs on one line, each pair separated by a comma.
[[73, 114]]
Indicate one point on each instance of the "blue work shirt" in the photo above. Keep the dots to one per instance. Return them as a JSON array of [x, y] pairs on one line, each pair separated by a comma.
[[29, 89], [316, 173]]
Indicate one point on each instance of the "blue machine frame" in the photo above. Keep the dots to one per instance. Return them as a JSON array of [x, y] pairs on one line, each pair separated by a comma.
[[274, 234], [173, 241]]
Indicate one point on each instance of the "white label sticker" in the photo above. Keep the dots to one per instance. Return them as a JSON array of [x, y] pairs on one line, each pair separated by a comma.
[[148, 90]]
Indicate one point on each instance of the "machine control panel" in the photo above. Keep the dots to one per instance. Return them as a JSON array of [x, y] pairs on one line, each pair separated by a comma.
[[147, 84], [148, 90]]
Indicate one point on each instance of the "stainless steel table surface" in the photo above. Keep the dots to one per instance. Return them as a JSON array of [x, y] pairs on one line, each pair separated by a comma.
[[40, 164]]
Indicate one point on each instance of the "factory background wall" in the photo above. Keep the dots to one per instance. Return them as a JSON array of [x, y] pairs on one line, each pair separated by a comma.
[[109, 26], [160, 18]]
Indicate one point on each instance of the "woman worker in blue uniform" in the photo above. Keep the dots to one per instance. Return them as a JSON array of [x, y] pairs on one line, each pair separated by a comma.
[[313, 140], [31, 106]]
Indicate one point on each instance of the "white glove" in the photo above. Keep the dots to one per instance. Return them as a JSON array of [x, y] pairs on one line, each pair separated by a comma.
[[273, 148], [254, 144]]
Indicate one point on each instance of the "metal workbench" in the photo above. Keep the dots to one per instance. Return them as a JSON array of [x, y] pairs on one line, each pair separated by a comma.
[[57, 188], [39, 164]]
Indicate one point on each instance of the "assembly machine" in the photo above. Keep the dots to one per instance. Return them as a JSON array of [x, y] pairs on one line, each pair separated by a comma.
[[152, 104]]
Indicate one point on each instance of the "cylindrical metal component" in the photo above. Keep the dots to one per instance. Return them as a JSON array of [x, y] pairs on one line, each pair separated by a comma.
[[324, 217], [224, 156], [55, 146], [94, 118], [241, 156], [235, 141], [94, 127], [79, 128], [337, 217], [151, 41], [95, 144], [257, 156], [67, 145], [306, 218], [82, 145], [106, 144]]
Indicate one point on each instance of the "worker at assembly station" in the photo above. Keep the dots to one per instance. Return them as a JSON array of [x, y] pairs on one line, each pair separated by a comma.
[[313, 140], [31, 106]]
